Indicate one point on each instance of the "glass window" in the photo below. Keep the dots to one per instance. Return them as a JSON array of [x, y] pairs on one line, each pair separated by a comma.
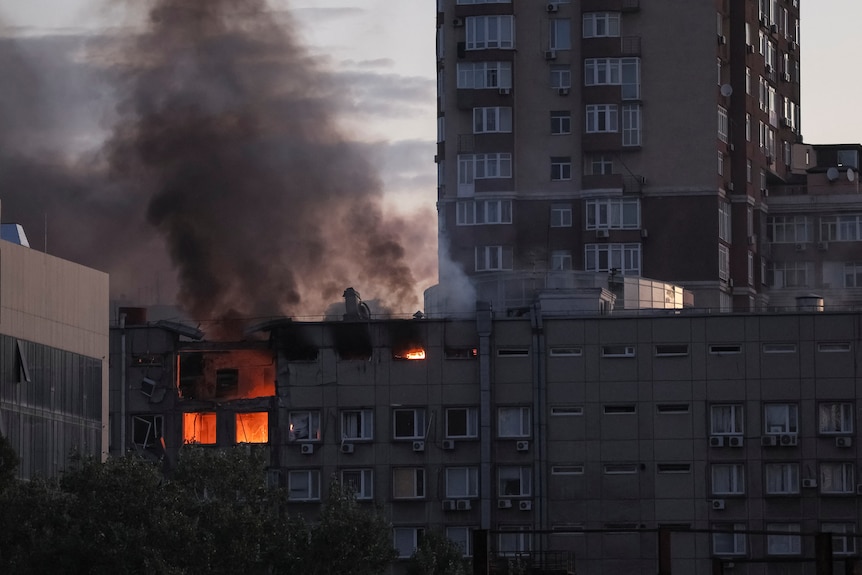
[[601, 24], [624, 259], [252, 427], [407, 540], [304, 426], [836, 417], [728, 479], [602, 118], [561, 123], [837, 478], [359, 481], [408, 423], [303, 485], [462, 422], [513, 422], [199, 427], [357, 424], [613, 213], [515, 540], [783, 544], [462, 537], [561, 168], [514, 481], [843, 541], [561, 76], [726, 419], [496, 119], [482, 75], [561, 215], [560, 34], [493, 258], [781, 418], [487, 32], [782, 478], [561, 260], [462, 482], [408, 483], [726, 542]]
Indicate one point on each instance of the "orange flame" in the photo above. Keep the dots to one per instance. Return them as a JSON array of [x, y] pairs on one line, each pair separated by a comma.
[[417, 353], [252, 427], [199, 428]]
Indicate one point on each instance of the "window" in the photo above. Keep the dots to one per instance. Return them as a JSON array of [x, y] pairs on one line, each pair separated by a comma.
[[837, 477], [725, 349], [620, 468], [304, 426], [672, 408], [483, 212], [252, 427], [618, 351], [779, 348], [303, 485], [462, 482], [790, 274], [782, 478], [783, 544], [724, 220], [561, 123], [726, 542], [728, 479], [227, 382], [147, 430], [561, 76], [780, 418], [625, 259], [514, 541], [514, 481], [407, 540], [462, 422], [561, 215], [357, 424], [601, 24], [472, 167], [726, 419], [408, 483], [846, 228], [493, 258], [566, 352], [488, 120], [670, 468], [560, 34], [513, 352], [613, 213], [513, 422], [619, 409], [631, 125], [788, 229], [484, 2], [599, 165], [602, 118], [836, 347], [359, 481], [671, 349], [567, 470], [853, 274], [485, 32], [848, 159], [462, 537], [199, 428], [723, 262], [408, 424], [841, 543], [835, 418], [602, 71], [561, 260], [481, 75], [561, 168], [722, 124]]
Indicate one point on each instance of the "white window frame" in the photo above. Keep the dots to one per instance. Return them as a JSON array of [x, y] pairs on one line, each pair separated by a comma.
[[514, 481], [790, 274], [560, 34], [413, 479], [490, 32], [837, 478], [723, 124], [561, 215], [561, 260], [781, 419], [513, 540], [360, 481], [484, 75], [789, 229], [561, 122], [723, 262], [729, 543], [406, 540], [309, 432], [724, 220], [727, 419], [483, 212], [303, 485], [462, 482], [363, 430], [781, 478], [514, 422], [410, 420], [462, 536], [783, 544], [625, 258], [852, 274], [494, 258], [153, 427], [727, 478], [492, 120], [602, 119], [471, 422], [561, 168], [631, 115], [561, 77], [620, 213], [835, 418], [602, 72], [601, 25], [841, 544]]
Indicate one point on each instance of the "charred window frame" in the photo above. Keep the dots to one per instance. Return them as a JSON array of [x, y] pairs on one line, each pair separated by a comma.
[[147, 430], [227, 382]]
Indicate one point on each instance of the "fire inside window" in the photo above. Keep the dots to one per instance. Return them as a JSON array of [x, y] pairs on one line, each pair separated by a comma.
[[199, 428], [412, 353], [252, 427]]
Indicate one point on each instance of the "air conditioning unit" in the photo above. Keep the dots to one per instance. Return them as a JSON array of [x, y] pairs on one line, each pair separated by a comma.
[[504, 504], [346, 448], [786, 77], [463, 505], [458, 22], [602, 233], [563, 91], [800, 247], [718, 504], [505, 91], [552, 8], [769, 441], [722, 39], [418, 446], [764, 21], [644, 233], [774, 29], [736, 441], [809, 483], [448, 505], [729, 186], [752, 239], [525, 505], [788, 440], [448, 444], [551, 55], [306, 448], [843, 442], [822, 246], [749, 48], [522, 445], [716, 441]]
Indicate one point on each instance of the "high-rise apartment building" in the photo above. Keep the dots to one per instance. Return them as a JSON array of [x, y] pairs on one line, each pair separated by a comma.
[[619, 136]]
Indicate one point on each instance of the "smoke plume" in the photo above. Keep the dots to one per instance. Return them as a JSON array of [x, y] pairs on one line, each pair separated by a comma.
[[225, 152]]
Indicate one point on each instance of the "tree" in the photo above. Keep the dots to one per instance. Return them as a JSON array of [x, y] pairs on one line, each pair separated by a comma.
[[349, 539], [437, 555], [8, 463]]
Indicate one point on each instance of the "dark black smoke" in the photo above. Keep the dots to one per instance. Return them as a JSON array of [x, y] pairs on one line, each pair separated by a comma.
[[227, 144]]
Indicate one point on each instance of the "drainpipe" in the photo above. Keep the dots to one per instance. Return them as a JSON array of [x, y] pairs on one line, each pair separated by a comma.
[[484, 327], [539, 421], [122, 384]]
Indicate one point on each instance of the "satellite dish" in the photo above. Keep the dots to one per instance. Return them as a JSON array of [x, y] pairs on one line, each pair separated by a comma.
[[832, 174], [726, 90], [851, 175]]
